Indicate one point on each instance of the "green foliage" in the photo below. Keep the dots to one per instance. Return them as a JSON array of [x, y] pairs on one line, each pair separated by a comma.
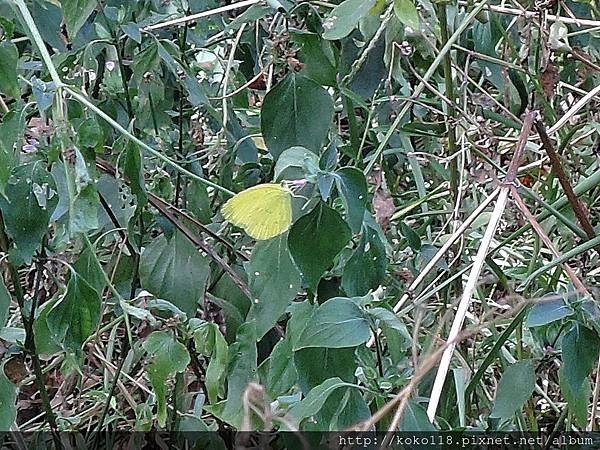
[[388, 122]]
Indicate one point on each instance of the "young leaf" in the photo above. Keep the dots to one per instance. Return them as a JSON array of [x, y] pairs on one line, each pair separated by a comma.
[[342, 20], [337, 323], [296, 112], [174, 270], [315, 240], [515, 388], [274, 280], [167, 357]]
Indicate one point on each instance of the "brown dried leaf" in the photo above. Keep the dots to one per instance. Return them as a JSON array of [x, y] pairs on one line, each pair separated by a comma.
[[549, 78]]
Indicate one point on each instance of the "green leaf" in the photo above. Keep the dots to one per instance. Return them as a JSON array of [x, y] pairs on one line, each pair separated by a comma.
[[337, 323], [89, 134], [344, 18], [83, 210], [315, 240], [75, 316], [76, 13], [9, 83], [210, 343], [30, 200], [167, 357], [293, 163], [242, 370], [515, 388], [580, 347], [549, 309], [174, 270], [133, 169], [413, 239], [296, 112], [316, 398], [281, 372], [415, 419], [274, 282], [578, 399], [132, 30], [8, 398], [352, 186], [11, 130], [406, 11], [318, 57], [365, 270], [315, 365], [88, 268], [4, 303]]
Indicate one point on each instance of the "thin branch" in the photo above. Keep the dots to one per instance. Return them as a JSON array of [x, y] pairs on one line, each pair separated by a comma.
[[478, 264], [201, 15]]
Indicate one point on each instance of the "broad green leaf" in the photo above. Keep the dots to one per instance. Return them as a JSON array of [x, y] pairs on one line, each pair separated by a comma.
[[174, 270], [393, 328], [292, 164], [274, 281], [315, 365], [515, 388], [76, 13], [75, 316], [4, 303], [281, 372], [315, 240], [132, 30], [9, 83], [83, 210], [344, 18], [11, 130], [242, 370], [210, 343], [316, 398], [44, 342], [406, 11], [296, 112], [580, 347], [548, 310], [578, 399], [8, 398], [167, 357], [413, 239], [88, 268], [365, 270], [337, 323], [318, 57], [30, 200], [415, 419], [133, 169], [89, 134], [352, 186]]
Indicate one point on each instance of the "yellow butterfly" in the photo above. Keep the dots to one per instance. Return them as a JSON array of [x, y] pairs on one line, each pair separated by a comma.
[[263, 211]]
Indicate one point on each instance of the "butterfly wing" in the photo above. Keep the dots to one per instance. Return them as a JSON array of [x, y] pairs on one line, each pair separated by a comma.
[[263, 211]]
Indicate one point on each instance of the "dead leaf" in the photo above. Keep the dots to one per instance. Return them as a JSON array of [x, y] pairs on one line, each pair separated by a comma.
[[550, 78]]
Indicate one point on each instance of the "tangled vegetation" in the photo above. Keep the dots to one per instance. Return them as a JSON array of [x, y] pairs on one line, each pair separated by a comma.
[[421, 252]]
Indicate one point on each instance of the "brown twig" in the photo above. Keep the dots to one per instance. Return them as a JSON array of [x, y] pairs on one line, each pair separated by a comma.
[[576, 204]]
